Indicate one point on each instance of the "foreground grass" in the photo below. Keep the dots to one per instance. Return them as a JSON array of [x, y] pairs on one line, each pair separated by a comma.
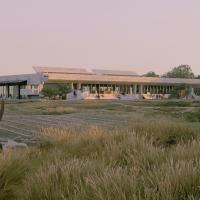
[[148, 159]]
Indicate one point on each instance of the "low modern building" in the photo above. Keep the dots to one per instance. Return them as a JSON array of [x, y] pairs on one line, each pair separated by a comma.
[[92, 84]]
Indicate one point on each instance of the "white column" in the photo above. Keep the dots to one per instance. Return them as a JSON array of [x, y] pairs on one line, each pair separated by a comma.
[[148, 89], [135, 89], [72, 86], [79, 86], [131, 90], [141, 89], [8, 91], [191, 90]]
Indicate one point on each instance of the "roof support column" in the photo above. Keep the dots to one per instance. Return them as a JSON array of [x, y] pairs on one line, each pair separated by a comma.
[[135, 89], [166, 89], [191, 91], [79, 86], [19, 93], [131, 90], [72, 85], [141, 89], [8, 91], [157, 89]]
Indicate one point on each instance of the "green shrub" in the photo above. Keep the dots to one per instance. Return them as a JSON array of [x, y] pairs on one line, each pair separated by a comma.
[[192, 116], [52, 90]]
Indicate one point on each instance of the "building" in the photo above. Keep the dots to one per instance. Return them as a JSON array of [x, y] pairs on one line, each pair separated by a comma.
[[91, 84]]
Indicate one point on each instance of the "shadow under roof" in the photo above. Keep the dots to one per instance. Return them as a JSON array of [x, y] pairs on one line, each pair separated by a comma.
[[32, 79], [12, 83]]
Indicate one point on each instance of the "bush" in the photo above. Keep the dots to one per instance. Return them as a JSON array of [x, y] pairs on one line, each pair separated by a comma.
[[192, 116], [51, 90], [180, 92]]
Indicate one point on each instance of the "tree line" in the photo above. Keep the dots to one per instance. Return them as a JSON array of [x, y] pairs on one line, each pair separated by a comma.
[[182, 71]]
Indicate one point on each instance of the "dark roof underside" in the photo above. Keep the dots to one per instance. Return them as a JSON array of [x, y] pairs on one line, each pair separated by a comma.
[[13, 83]]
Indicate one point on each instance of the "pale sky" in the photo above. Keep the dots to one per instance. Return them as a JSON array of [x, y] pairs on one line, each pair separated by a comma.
[[138, 35]]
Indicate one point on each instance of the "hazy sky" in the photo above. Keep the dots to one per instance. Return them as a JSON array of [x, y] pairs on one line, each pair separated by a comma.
[[139, 35]]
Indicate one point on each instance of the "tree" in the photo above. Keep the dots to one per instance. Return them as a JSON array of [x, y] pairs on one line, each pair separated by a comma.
[[182, 71], [49, 91], [198, 77], [53, 90], [181, 91], [151, 74], [63, 89]]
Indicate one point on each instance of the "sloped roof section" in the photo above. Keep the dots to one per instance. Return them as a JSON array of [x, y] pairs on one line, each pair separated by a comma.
[[113, 72], [60, 70]]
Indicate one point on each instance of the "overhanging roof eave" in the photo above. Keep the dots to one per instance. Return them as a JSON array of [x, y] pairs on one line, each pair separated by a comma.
[[13, 83]]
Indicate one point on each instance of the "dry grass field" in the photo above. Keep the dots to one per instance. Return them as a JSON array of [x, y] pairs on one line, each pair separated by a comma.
[[102, 150], [22, 121]]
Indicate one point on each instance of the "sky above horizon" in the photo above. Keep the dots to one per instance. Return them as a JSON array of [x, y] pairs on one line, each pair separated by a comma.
[[137, 35]]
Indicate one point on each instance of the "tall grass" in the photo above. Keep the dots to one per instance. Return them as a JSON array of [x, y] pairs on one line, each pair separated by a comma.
[[13, 171], [145, 160]]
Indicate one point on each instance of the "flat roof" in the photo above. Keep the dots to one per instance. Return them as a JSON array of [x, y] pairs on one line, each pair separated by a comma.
[[114, 72], [123, 79], [62, 70], [39, 69], [34, 79], [94, 76]]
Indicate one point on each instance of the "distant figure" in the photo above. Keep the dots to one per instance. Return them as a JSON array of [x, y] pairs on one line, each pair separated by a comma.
[[75, 94]]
